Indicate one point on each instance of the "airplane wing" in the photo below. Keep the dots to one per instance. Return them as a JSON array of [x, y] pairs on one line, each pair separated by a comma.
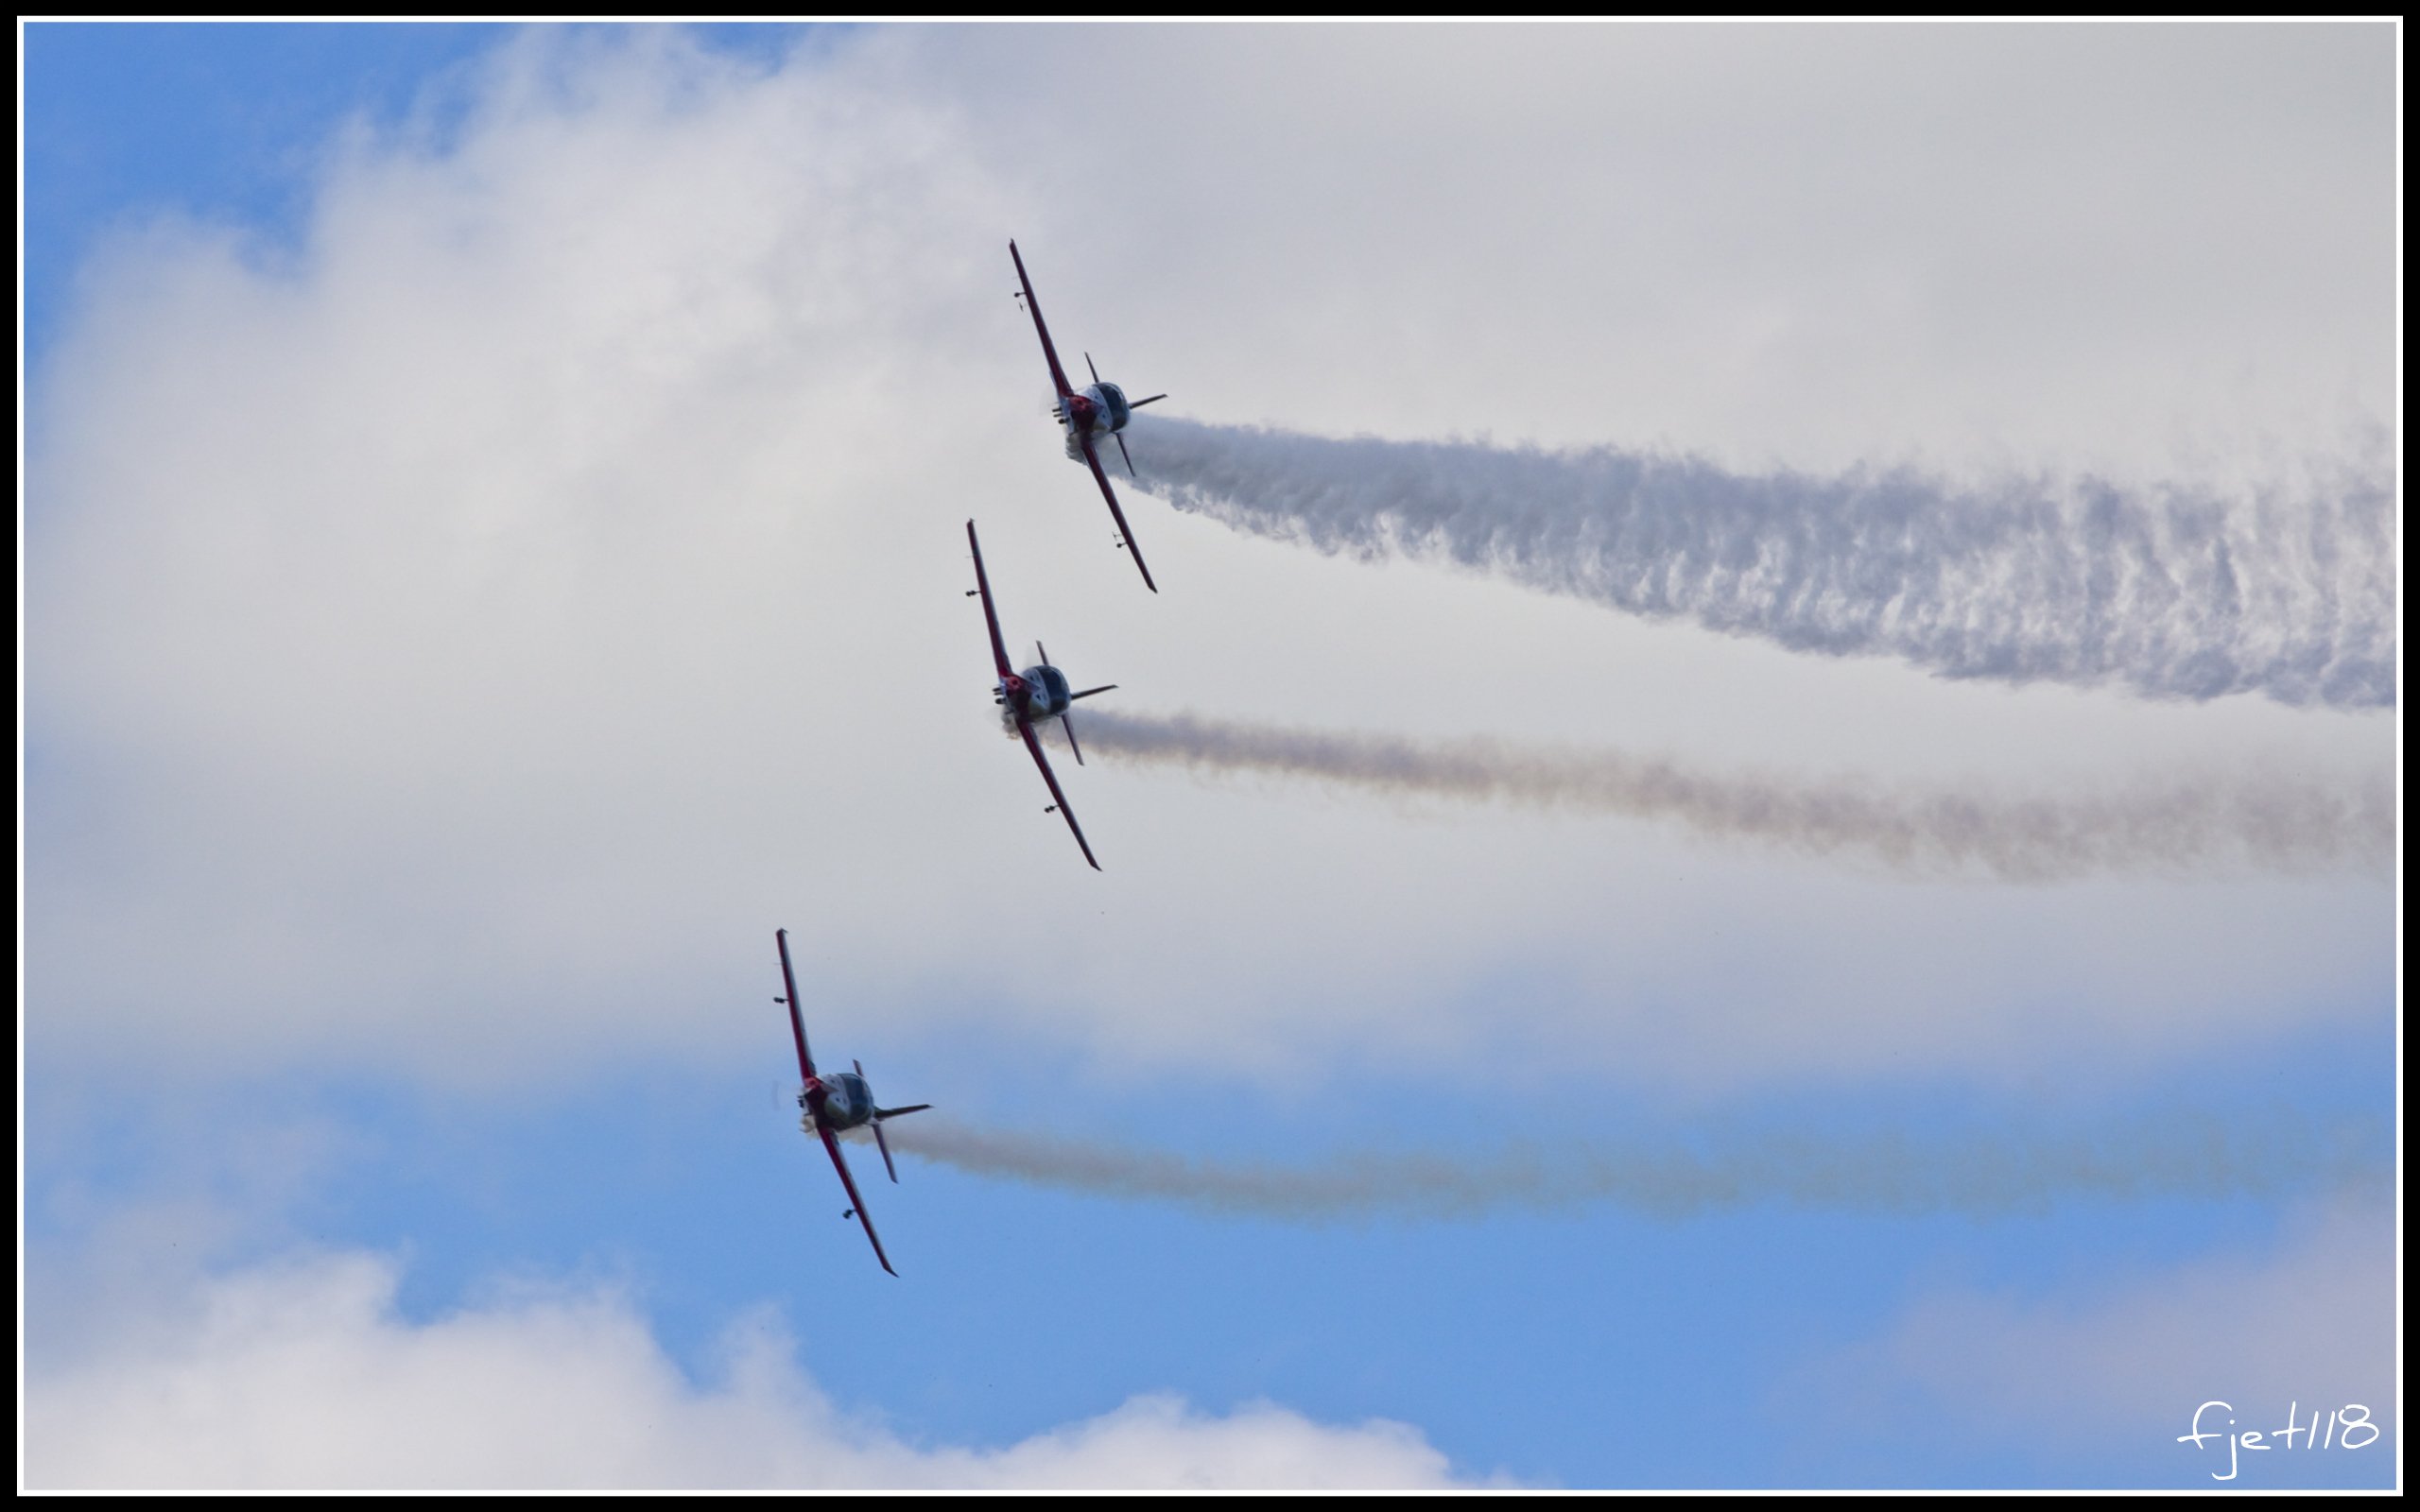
[[1058, 376], [798, 1025], [1117, 514], [1024, 728], [857, 1203], [999, 648]]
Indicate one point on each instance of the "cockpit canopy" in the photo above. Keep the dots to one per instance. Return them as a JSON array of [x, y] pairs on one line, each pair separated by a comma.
[[1049, 694], [847, 1101], [1113, 399]]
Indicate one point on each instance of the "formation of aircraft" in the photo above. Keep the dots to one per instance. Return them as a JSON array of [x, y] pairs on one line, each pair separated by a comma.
[[829, 1105], [1089, 414], [1038, 693]]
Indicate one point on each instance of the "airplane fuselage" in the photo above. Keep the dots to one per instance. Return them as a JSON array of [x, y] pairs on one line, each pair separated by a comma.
[[1037, 693], [843, 1101], [1100, 410]]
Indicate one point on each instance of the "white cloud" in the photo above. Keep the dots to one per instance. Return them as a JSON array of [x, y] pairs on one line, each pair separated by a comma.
[[2124, 1362], [302, 1374], [457, 647], [2128, 246]]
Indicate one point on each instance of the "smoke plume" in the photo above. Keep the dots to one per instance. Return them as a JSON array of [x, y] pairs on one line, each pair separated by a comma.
[[2171, 591], [1982, 1173], [2181, 822]]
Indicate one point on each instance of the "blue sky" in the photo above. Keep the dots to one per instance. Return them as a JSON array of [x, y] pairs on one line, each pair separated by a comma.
[[536, 583]]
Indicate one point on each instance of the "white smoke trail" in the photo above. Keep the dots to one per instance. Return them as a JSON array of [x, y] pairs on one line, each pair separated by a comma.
[[2173, 1155], [2171, 592], [2181, 822]]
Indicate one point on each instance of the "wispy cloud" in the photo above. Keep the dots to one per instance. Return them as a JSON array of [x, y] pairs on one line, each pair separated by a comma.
[[2121, 1363]]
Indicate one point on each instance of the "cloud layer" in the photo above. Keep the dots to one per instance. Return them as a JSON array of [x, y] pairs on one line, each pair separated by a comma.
[[543, 576], [461, 630], [2121, 1365], [302, 1375]]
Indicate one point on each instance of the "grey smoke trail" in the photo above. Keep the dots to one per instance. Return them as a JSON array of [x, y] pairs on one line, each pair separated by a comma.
[[2172, 1155], [2171, 592], [2181, 822]]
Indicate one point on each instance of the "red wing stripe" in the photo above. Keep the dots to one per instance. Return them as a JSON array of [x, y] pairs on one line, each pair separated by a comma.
[[1033, 308], [1024, 728], [999, 648], [856, 1202], [1119, 515], [798, 1023]]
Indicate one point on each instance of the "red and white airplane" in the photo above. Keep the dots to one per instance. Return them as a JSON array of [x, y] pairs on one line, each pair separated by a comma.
[[842, 1101], [1040, 692], [1100, 410]]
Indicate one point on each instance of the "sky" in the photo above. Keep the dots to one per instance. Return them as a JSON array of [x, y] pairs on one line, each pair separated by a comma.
[[1754, 840]]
